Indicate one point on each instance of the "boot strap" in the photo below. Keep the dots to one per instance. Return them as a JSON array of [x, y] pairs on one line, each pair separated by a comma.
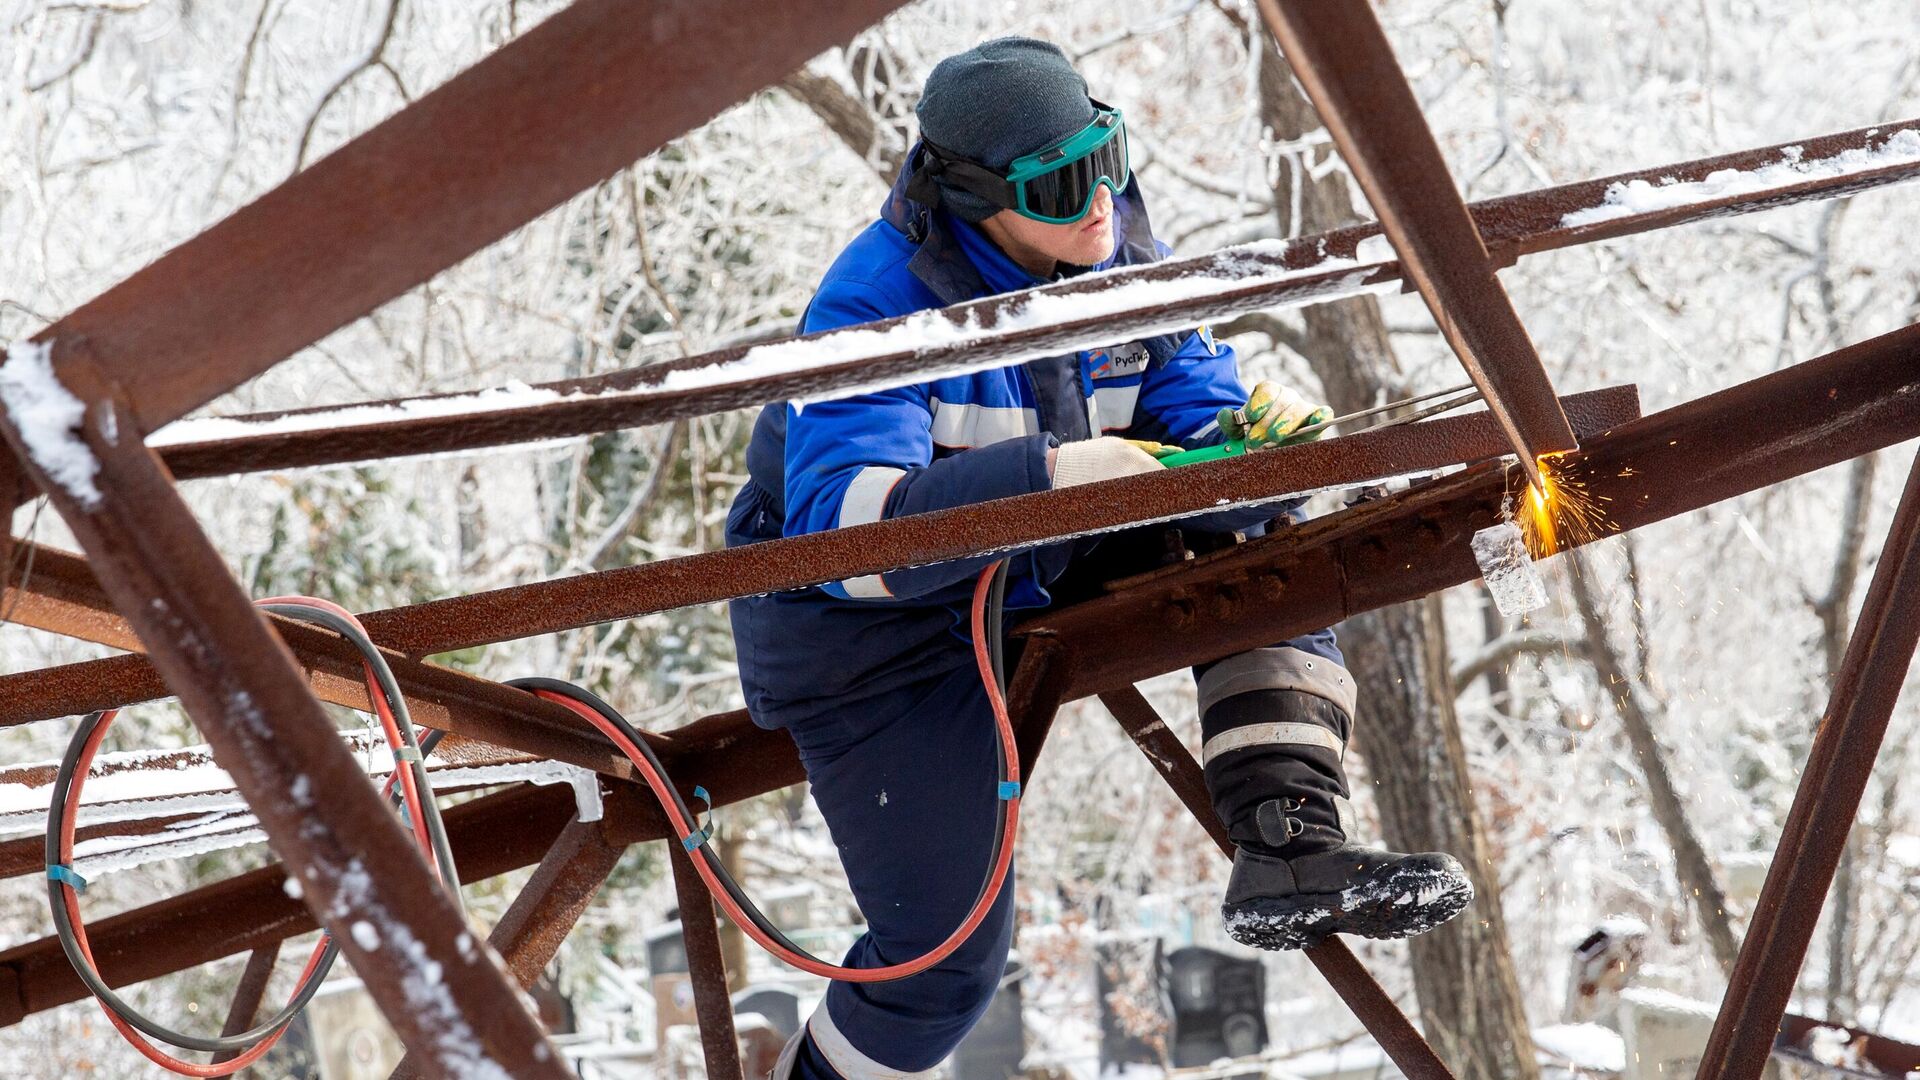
[[1275, 825], [1349, 824]]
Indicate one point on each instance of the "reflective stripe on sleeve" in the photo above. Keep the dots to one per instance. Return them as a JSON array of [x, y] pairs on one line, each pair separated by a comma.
[[865, 501], [963, 425]]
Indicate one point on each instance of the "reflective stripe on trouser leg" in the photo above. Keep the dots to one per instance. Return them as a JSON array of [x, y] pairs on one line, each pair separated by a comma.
[[1275, 723], [1280, 667], [845, 1057]]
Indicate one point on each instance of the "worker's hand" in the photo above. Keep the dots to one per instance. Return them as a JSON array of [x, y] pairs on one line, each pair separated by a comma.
[[1157, 449], [1104, 458], [1274, 416]]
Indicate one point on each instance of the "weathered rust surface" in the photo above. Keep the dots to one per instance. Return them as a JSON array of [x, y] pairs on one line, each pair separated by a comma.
[[439, 697], [1862, 398], [586, 93], [1885, 1055], [477, 707], [546, 908], [706, 967], [1511, 226], [794, 562], [247, 994], [490, 835], [1845, 748], [1343, 61], [240, 686]]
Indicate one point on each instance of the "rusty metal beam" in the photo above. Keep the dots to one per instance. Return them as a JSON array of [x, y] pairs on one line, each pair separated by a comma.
[[794, 562], [61, 595], [1862, 398], [1511, 226], [584, 94], [1335, 962], [1824, 807], [545, 910], [240, 686], [247, 994], [1342, 59], [707, 968], [1884, 1055], [447, 697], [1845, 404], [490, 835]]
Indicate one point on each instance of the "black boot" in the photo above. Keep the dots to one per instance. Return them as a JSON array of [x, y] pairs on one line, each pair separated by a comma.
[[1276, 724]]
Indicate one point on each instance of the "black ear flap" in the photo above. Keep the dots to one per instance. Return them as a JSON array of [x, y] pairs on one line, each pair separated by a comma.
[[920, 186]]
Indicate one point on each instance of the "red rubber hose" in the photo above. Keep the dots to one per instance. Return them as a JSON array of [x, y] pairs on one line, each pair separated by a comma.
[[1002, 858], [69, 815]]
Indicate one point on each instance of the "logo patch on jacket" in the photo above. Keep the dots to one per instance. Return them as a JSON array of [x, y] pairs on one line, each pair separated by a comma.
[[1206, 338], [1117, 360]]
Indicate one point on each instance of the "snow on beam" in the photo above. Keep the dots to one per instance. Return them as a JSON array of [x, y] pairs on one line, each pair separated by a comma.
[[1088, 311]]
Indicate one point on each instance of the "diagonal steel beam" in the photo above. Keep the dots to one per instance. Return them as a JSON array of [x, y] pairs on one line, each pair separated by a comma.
[[247, 995], [706, 967], [1824, 807], [1342, 59], [545, 910], [1248, 278], [1787, 423], [1376, 1011], [595, 87], [240, 686]]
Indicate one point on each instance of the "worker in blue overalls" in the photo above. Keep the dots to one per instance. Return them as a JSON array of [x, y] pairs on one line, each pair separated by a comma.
[[1019, 179]]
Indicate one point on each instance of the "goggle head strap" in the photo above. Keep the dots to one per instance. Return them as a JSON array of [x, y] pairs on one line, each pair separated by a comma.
[[932, 163]]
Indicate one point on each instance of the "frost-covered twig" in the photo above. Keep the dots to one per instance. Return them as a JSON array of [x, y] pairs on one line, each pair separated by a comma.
[[373, 59]]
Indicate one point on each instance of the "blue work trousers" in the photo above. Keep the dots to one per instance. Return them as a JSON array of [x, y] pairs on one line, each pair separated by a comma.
[[907, 784]]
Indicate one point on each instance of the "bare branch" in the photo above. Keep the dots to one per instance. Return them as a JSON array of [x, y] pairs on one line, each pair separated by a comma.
[[1690, 856], [850, 119], [375, 58], [1498, 653], [90, 37]]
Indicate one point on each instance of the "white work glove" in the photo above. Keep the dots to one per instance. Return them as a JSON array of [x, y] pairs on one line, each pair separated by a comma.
[[1099, 459]]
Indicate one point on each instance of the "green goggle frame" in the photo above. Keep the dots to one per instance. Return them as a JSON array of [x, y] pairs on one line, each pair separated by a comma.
[[1055, 185]]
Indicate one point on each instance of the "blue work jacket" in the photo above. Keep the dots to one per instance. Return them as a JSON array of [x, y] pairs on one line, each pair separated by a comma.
[[940, 444]]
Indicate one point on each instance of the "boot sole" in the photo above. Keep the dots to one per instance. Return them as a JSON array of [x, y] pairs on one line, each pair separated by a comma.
[[1400, 903]]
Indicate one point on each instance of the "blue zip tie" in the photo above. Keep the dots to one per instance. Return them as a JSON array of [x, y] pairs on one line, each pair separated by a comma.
[[1009, 790], [66, 874], [407, 753], [699, 836]]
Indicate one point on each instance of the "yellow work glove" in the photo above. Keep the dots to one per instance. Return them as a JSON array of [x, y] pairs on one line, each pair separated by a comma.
[[1274, 416]]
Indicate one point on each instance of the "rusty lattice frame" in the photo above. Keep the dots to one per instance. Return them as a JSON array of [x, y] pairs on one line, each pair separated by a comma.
[[584, 95]]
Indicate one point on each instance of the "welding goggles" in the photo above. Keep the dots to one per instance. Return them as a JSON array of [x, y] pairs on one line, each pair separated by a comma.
[[1054, 185]]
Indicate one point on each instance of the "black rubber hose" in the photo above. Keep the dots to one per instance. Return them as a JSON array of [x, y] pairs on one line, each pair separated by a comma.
[[403, 719], [63, 785]]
